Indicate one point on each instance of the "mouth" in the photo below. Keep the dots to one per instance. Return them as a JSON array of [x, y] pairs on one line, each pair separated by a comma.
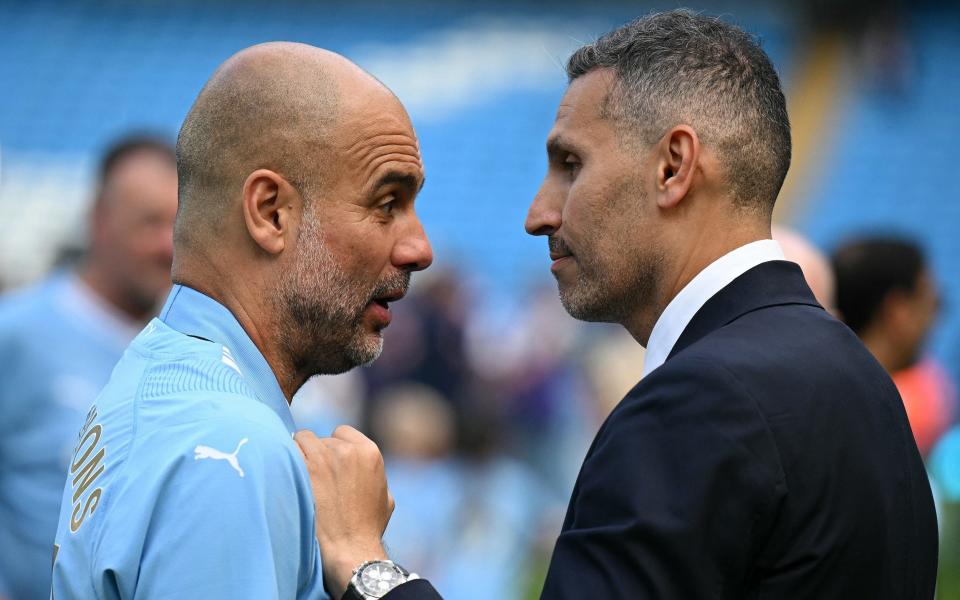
[[559, 251], [385, 299]]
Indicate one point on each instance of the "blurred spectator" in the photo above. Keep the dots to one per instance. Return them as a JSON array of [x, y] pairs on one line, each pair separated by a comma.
[[416, 429], [533, 382], [484, 512], [930, 398], [59, 341], [323, 403], [887, 295], [426, 341], [944, 468], [614, 365], [815, 265]]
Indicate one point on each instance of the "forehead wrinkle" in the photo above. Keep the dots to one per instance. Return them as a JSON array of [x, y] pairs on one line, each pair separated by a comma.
[[383, 138], [366, 152], [404, 159], [393, 153], [363, 145]]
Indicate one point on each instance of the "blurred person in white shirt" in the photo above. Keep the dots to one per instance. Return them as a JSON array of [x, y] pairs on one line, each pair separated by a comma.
[[60, 339]]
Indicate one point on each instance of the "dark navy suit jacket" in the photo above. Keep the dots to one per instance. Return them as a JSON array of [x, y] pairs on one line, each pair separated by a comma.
[[769, 457]]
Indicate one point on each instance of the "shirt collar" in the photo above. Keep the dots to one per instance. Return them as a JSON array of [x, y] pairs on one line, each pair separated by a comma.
[[716, 276], [193, 313]]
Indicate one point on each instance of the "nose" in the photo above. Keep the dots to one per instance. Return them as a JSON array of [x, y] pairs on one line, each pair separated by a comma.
[[413, 251], [543, 216]]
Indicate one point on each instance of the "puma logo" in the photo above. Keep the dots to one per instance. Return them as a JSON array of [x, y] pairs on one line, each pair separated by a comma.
[[208, 452]]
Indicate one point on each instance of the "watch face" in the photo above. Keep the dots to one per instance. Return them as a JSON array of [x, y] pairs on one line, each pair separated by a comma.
[[378, 578]]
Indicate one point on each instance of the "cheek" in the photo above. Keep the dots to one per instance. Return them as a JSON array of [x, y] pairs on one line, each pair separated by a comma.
[[361, 255], [578, 218], [586, 217]]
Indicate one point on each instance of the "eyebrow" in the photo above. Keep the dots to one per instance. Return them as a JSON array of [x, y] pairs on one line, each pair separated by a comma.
[[557, 146], [406, 180]]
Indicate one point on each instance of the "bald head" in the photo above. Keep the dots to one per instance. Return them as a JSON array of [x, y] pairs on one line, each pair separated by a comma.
[[272, 106]]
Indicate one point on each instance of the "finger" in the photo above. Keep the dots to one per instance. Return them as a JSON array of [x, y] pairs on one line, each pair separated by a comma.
[[304, 434], [315, 449], [305, 437], [368, 447], [349, 434]]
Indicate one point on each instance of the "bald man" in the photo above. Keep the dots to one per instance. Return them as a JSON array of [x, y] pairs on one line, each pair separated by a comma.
[[295, 230]]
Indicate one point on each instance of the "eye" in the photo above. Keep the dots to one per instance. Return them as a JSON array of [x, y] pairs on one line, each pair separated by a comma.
[[572, 164], [387, 206]]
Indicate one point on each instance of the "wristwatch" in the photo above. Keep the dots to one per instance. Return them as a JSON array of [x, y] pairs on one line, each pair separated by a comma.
[[374, 578]]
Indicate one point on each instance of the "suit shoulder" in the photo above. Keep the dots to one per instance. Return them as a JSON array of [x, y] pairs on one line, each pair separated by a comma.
[[777, 347], [695, 391], [771, 334], [692, 390], [687, 376]]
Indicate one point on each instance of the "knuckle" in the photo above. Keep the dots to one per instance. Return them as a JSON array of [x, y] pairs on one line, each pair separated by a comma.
[[343, 450], [342, 430], [371, 450], [305, 434]]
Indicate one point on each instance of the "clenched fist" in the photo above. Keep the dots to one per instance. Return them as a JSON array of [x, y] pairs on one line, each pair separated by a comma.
[[352, 499]]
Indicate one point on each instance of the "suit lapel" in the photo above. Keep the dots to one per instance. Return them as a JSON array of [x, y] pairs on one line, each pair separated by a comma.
[[773, 283]]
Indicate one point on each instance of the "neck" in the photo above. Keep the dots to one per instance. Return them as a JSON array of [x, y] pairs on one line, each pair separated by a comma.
[[250, 312], [100, 281], [696, 254]]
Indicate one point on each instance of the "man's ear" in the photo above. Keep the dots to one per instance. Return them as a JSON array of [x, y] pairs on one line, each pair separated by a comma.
[[268, 201], [678, 156]]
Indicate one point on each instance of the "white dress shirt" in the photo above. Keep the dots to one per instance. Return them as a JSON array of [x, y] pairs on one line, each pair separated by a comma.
[[716, 276]]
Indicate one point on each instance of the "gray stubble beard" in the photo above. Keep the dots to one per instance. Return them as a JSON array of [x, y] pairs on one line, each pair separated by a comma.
[[321, 311], [611, 298]]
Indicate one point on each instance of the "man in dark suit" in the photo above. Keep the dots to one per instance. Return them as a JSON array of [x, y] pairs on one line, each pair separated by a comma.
[[765, 454]]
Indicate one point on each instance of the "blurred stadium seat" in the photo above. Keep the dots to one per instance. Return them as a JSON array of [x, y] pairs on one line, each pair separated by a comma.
[[481, 84]]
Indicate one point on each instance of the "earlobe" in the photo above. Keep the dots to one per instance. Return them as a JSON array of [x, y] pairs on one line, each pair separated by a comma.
[[678, 156], [266, 209]]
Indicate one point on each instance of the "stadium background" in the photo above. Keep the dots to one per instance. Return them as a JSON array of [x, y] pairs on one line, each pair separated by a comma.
[[872, 88]]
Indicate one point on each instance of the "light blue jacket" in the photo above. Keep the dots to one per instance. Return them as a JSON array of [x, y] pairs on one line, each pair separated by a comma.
[[185, 481]]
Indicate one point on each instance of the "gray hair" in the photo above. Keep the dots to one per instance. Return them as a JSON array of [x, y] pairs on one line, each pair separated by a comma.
[[682, 67]]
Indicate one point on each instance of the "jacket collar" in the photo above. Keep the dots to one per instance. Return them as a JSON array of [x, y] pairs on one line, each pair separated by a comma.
[[774, 283], [198, 315]]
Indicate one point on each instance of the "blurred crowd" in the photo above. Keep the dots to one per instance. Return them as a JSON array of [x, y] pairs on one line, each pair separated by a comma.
[[483, 415]]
